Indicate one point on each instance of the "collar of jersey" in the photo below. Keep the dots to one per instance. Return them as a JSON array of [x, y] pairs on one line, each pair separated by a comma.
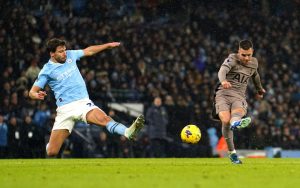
[[57, 64]]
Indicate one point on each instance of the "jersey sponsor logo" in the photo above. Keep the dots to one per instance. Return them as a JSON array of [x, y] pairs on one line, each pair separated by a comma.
[[241, 78], [66, 74]]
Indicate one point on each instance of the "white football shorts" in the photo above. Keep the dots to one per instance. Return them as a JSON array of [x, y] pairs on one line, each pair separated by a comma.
[[68, 114]]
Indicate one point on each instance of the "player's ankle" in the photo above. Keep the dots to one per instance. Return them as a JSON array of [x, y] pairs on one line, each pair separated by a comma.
[[233, 123], [126, 134]]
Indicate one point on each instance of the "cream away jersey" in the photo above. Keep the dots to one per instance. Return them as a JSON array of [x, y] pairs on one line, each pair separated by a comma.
[[238, 74]]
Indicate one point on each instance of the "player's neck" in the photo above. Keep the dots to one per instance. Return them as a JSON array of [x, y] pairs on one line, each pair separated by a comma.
[[54, 60]]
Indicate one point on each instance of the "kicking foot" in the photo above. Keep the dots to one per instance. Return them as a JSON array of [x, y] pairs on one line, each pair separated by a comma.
[[234, 158], [132, 132], [240, 124]]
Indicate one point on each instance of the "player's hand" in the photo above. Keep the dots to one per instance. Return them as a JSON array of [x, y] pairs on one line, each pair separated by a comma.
[[260, 94], [41, 95], [226, 84], [113, 45]]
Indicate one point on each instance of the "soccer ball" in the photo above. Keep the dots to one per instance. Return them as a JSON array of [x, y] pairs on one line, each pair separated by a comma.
[[190, 134]]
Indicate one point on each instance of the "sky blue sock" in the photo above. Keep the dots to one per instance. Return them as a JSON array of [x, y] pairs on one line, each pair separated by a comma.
[[115, 127]]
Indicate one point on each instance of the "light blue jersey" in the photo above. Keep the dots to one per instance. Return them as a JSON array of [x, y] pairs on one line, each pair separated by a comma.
[[64, 79]]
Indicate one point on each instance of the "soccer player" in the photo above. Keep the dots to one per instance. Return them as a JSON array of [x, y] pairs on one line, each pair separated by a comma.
[[63, 76], [230, 104]]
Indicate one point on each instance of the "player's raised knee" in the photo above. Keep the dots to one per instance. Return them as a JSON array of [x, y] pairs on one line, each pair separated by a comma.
[[98, 117]]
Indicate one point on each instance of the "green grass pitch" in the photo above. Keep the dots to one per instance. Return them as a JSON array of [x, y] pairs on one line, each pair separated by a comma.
[[154, 173]]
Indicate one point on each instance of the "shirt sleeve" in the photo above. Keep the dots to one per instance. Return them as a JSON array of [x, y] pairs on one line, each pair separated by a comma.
[[225, 68], [256, 81], [41, 80], [77, 54], [222, 73]]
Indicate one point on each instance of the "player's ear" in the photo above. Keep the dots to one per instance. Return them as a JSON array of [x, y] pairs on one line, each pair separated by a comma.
[[239, 51]]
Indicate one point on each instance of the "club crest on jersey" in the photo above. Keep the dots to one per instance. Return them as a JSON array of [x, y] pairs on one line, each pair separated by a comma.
[[69, 60]]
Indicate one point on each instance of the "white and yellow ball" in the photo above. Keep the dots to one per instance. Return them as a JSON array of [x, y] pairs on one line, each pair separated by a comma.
[[190, 134]]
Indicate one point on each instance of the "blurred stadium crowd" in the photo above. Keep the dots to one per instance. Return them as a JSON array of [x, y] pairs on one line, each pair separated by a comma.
[[172, 49]]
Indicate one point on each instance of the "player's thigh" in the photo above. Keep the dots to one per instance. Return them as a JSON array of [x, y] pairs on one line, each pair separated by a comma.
[[222, 103], [223, 108], [239, 107], [98, 117], [57, 138]]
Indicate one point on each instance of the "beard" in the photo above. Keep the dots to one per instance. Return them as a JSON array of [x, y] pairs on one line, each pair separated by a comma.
[[61, 60]]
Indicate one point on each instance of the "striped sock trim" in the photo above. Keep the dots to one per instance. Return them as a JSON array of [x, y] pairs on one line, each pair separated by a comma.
[[115, 127], [112, 129]]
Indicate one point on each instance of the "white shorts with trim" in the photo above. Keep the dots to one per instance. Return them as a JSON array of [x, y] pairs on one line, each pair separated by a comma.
[[68, 114]]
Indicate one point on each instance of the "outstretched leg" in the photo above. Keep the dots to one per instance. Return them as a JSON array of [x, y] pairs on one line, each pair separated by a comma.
[[98, 117]]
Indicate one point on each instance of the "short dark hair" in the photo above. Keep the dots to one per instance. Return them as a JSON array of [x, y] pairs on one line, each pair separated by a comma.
[[245, 44], [52, 44]]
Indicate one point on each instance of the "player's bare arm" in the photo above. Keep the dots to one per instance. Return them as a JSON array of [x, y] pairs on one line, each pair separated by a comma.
[[36, 93], [92, 50]]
